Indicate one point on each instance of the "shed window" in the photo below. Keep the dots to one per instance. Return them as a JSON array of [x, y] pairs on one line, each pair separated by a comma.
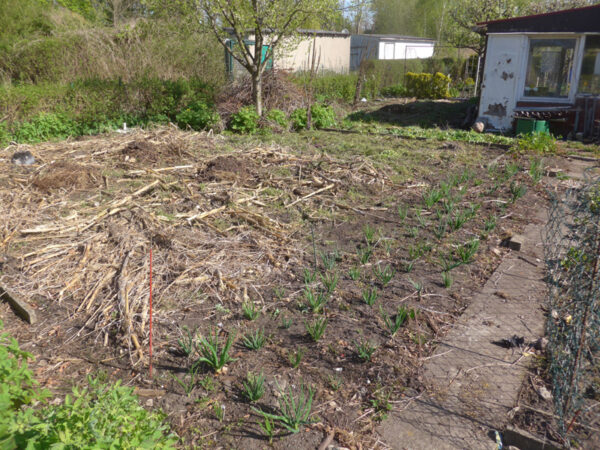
[[550, 67], [589, 80], [388, 51]]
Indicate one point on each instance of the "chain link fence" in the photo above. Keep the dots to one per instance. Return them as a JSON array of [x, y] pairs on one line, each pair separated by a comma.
[[572, 252]]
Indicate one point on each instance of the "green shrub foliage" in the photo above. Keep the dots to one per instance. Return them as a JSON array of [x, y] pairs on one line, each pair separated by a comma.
[[101, 416], [298, 118], [278, 117], [245, 120], [396, 90], [323, 116], [426, 85]]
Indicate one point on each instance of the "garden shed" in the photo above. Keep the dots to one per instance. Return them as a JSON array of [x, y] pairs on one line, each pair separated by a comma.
[[333, 49], [544, 67], [388, 47]]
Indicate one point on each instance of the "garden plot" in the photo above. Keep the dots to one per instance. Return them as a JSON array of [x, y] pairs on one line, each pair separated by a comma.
[[298, 283]]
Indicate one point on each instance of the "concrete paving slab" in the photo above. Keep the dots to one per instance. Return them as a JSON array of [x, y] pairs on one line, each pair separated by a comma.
[[472, 382]]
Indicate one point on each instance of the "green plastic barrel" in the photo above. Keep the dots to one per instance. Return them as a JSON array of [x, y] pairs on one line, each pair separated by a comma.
[[529, 126]]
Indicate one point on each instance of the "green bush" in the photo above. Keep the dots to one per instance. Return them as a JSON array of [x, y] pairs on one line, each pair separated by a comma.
[[426, 85], [298, 118], [4, 134], [328, 87], [46, 126], [278, 117], [102, 416], [245, 120], [538, 142], [322, 117], [17, 385], [197, 116], [396, 90]]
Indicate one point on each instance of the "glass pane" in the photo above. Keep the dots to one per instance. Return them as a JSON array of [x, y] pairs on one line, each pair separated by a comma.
[[589, 81], [389, 51], [550, 67]]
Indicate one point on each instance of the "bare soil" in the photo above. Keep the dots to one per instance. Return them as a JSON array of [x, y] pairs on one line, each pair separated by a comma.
[[232, 221]]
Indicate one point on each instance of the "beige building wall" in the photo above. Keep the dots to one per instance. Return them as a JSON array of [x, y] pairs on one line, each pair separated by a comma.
[[334, 51]]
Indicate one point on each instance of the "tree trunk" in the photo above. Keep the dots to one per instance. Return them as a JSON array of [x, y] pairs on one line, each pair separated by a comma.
[[257, 92]]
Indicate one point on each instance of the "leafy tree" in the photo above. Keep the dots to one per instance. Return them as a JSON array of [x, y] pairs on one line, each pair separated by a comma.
[[272, 23]]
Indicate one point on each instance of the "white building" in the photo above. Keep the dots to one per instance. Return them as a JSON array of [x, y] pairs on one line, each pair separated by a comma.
[[388, 47]]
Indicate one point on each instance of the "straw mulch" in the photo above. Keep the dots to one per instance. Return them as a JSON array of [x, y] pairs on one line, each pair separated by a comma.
[[78, 226]]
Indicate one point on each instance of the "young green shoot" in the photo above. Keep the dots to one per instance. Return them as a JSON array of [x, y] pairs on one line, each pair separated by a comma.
[[295, 358], [219, 411], [310, 276], [431, 197], [186, 343], [286, 323], [517, 191], [448, 263], [250, 311], [364, 253], [279, 293], [369, 235], [294, 410], [536, 169], [254, 341], [268, 426], [417, 286], [316, 328], [335, 382], [254, 386], [369, 296], [354, 273], [402, 212], [384, 274], [381, 404], [490, 223], [315, 302], [330, 281], [330, 259], [402, 314], [188, 386], [212, 353], [447, 279], [466, 251], [365, 350]]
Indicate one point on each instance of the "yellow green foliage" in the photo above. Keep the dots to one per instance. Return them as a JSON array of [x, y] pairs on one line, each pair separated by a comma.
[[426, 85]]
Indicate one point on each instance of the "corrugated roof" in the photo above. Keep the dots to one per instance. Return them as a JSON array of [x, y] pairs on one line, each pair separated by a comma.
[[574, 20], [303, 31], [533, 16], [399, 37]]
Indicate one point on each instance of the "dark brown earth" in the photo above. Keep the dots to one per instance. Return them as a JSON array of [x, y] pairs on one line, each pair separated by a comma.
[[68, 346]]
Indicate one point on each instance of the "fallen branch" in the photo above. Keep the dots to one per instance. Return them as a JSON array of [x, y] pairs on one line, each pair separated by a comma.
[[318, 191]]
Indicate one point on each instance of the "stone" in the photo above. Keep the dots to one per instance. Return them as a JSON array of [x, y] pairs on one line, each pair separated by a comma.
[[478, 126], [150, 403], [553, 172], [23, 159], [524, 440], [541, 344], [544, 393], [516, 242]]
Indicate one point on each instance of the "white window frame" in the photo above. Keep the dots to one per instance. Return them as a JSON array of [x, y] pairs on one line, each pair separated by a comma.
[[578, 57]]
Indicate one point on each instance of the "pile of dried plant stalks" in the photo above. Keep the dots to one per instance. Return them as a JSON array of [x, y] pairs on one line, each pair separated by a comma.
[[279, 92], [78, 226]]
